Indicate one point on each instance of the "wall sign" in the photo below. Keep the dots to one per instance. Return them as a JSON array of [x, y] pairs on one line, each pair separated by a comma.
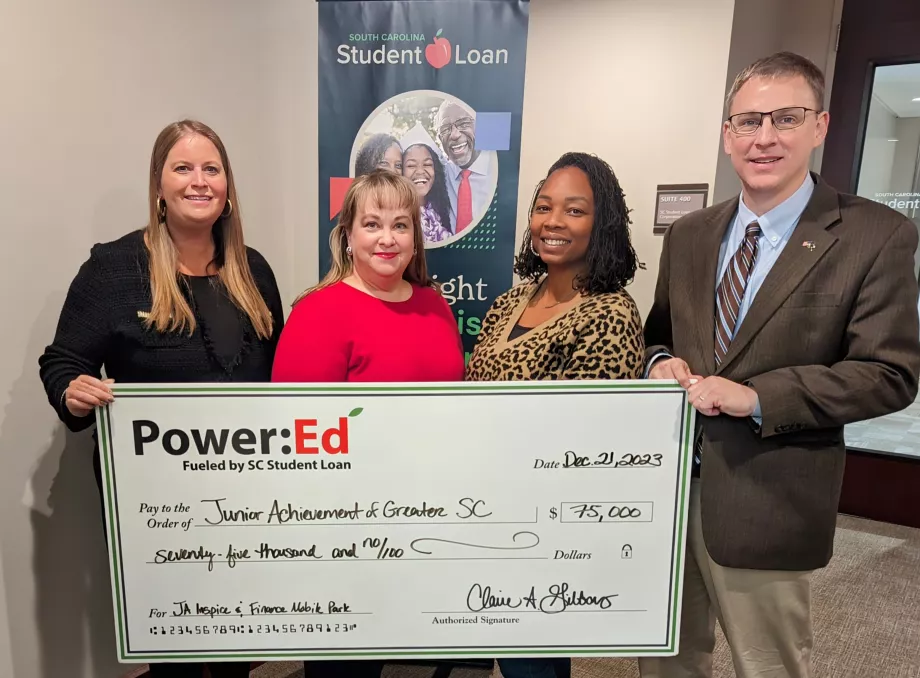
[[674, 201]]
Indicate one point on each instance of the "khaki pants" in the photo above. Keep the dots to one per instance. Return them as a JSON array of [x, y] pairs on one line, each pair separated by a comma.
[[765, 615]]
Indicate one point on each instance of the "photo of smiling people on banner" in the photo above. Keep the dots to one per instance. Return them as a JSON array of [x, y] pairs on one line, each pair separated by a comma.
[[424, 167], [469, 170], [435, 134], [380, 151]]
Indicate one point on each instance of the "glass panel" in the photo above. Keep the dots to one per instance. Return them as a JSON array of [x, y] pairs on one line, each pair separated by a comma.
[[890, 174]]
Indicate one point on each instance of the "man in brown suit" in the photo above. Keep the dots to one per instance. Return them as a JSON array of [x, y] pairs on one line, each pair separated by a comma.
[[787, 314]]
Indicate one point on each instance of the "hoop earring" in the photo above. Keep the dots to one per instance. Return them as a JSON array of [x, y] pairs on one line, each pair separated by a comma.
[[230, 211], [348, 250], [532, 250], [161, 209]]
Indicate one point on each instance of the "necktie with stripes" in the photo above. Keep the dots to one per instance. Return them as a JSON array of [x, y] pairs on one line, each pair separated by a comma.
[[729, 296], [731, 290]]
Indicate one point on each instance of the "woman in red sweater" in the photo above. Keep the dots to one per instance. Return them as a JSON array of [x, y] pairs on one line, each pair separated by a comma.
[[377, 315]]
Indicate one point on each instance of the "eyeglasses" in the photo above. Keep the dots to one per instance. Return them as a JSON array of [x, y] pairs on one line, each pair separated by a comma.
[[782, 118], [462, 125]]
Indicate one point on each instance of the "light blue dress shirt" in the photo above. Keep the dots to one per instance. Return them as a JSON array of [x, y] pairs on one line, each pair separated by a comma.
[[776, 227]]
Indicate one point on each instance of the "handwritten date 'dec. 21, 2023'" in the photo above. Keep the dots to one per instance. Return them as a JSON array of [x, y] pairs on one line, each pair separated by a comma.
[[602, 460]]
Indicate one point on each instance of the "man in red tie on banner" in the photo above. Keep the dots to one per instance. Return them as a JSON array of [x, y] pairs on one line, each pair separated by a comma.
[[468, 171]]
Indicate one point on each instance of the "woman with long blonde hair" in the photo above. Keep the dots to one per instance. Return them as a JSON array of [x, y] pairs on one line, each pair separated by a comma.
[[180, 300], [377, 315]]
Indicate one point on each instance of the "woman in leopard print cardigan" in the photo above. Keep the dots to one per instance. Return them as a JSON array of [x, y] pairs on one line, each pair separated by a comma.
[[571, 317]]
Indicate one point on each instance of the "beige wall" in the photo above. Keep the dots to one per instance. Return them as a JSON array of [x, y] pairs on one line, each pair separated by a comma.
[[599, 74], [86, 88]]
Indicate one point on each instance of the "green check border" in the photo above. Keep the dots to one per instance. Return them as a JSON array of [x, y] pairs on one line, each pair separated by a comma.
[[184, 390]]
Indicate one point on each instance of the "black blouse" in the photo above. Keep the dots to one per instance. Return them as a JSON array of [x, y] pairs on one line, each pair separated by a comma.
[[219, 318], [102, 324]]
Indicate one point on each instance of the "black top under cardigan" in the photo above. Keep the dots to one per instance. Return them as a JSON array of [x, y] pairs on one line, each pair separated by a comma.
[[102, 324]]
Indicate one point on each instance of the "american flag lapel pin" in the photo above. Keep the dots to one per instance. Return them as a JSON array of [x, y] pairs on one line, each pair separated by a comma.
[[810, 244]]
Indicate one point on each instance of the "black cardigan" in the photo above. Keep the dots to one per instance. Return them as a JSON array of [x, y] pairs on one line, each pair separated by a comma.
[[102, 324]]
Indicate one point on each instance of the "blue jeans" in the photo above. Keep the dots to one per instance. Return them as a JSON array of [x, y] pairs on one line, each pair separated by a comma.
[[536, 667]]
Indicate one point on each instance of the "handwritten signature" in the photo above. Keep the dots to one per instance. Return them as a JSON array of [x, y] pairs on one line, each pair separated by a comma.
[[559, 597]]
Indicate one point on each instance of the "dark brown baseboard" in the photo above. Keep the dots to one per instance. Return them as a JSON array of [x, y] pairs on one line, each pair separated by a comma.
[[881, 487]]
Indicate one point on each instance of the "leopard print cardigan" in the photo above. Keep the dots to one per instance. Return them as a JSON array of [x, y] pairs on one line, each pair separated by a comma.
[[599, 338]]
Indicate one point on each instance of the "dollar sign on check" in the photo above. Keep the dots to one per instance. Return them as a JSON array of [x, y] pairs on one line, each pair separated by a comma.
[[552, 513]]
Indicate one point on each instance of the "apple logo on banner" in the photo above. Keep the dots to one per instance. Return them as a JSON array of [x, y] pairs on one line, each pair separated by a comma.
[[438, 52]]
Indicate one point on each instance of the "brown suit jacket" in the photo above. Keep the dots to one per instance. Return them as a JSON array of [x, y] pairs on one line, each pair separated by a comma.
[[831, 338]]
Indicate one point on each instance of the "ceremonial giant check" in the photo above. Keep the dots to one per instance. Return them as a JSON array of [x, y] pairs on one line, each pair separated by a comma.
[[272, 522]]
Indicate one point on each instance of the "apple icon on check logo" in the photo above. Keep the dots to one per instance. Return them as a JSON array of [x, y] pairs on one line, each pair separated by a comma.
[[438, 52]]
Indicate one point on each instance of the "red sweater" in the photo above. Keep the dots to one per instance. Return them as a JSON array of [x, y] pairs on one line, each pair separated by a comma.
[[343, 334]]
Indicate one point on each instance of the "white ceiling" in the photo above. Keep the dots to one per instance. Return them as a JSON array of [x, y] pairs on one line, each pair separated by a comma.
[[897, 86]]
